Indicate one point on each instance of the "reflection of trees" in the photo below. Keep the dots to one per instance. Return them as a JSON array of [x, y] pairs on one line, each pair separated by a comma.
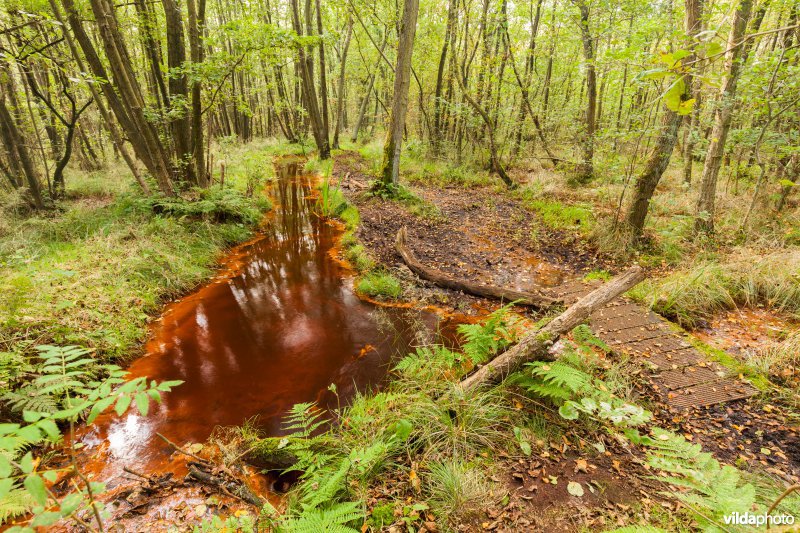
[[236, 349]]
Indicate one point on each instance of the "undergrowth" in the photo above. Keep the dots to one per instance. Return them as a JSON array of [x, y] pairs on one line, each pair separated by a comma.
[[93, 273], [708, 287], [433, 442]]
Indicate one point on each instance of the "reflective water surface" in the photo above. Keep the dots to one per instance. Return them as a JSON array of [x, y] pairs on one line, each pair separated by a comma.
[[277, 326]]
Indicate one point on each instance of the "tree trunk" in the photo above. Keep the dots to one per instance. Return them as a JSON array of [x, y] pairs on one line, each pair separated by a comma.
[[18, 152], [197, 15], [722, 121], [535, 344], [390, 169], [306, 70], [340, 99], [584, 171], [653, 170], [140, 132]]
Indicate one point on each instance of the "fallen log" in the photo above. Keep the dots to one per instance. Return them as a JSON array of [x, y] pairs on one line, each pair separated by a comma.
[[227, 485], [444, 280], [534, 346]]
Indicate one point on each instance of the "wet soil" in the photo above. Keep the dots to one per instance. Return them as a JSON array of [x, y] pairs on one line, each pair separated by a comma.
[[746, 329], [486, 235], [478, 234]]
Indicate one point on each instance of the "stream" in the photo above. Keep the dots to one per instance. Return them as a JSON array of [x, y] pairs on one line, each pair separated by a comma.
[[276, 326]]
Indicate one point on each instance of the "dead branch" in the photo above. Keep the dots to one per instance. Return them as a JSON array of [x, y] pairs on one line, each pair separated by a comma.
[[444, 280], [534, 346]]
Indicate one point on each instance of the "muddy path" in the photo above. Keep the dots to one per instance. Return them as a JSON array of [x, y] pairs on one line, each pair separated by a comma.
[[476, 234]]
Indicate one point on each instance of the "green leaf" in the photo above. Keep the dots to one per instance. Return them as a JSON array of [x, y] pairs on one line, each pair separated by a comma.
[[787, 183], [568, 411], [672, 98], [71, 503], [36, 488], [31, 416], [26, 463], [99, 408], [49, 426], [5, 486], [402, 429], [166, 386], [686, 106], [142, 403], [5, 466], [575, 488], [122, 405], [47, 518]]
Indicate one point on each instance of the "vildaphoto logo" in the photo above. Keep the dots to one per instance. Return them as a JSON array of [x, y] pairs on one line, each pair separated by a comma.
[[758, 519]]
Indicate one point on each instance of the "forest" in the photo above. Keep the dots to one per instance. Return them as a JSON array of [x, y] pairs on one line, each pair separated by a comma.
[[389, 266]]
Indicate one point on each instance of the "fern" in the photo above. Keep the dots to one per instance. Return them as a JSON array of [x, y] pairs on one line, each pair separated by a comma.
[[304, 419], [428, 362], [576, 391], [63, 374], [16, 502], [710, 490], [557, 380], [331, 519], [584, 336], [486, 339]]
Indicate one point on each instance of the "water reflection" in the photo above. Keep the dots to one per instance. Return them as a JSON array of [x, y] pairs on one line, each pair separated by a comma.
[[278, 331]]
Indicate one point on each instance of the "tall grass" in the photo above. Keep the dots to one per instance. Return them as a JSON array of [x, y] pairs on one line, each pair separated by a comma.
[[744, 279]]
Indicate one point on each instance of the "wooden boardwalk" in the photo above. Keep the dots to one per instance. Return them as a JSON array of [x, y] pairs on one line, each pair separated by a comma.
[[679, 372]]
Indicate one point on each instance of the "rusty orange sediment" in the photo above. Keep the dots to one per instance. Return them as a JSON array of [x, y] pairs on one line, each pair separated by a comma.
[[275, 326]]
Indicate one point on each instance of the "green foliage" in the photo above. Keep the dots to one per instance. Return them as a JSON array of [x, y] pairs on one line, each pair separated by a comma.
[[94, 274], [429, 362], [358, 257], [379, 284], [710, 286], [331, 201], [334, 518], [216, 204], [77, 387], [487, 338], [576, 391], [602, 275], [709, 489], [457, 491], [560, 216]]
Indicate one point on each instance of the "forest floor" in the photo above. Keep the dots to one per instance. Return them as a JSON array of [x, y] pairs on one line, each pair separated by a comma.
[[485, 234]]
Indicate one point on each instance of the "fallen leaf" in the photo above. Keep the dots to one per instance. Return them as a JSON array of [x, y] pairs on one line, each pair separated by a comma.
[[575, 488]]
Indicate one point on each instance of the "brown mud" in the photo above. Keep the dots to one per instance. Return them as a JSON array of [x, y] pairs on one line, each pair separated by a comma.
[[476, 234]]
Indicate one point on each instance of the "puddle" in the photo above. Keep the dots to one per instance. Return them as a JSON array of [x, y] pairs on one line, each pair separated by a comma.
[[277, 326]]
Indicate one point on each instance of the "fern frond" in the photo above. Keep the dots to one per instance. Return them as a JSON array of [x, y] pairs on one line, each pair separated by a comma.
[[16, 502], [334, 519]]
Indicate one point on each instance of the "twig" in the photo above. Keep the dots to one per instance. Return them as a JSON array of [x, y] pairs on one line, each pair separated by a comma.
[[181, 450]]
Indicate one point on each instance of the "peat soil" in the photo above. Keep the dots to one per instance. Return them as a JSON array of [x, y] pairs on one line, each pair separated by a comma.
[[486, 235]]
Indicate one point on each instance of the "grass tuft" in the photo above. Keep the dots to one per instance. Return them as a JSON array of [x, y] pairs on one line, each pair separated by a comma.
[[379, 284]]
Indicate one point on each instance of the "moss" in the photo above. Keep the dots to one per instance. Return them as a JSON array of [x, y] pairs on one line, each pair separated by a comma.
[[94, 273], [757, 379], [380, 284], [560, 216], [602, 275]]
